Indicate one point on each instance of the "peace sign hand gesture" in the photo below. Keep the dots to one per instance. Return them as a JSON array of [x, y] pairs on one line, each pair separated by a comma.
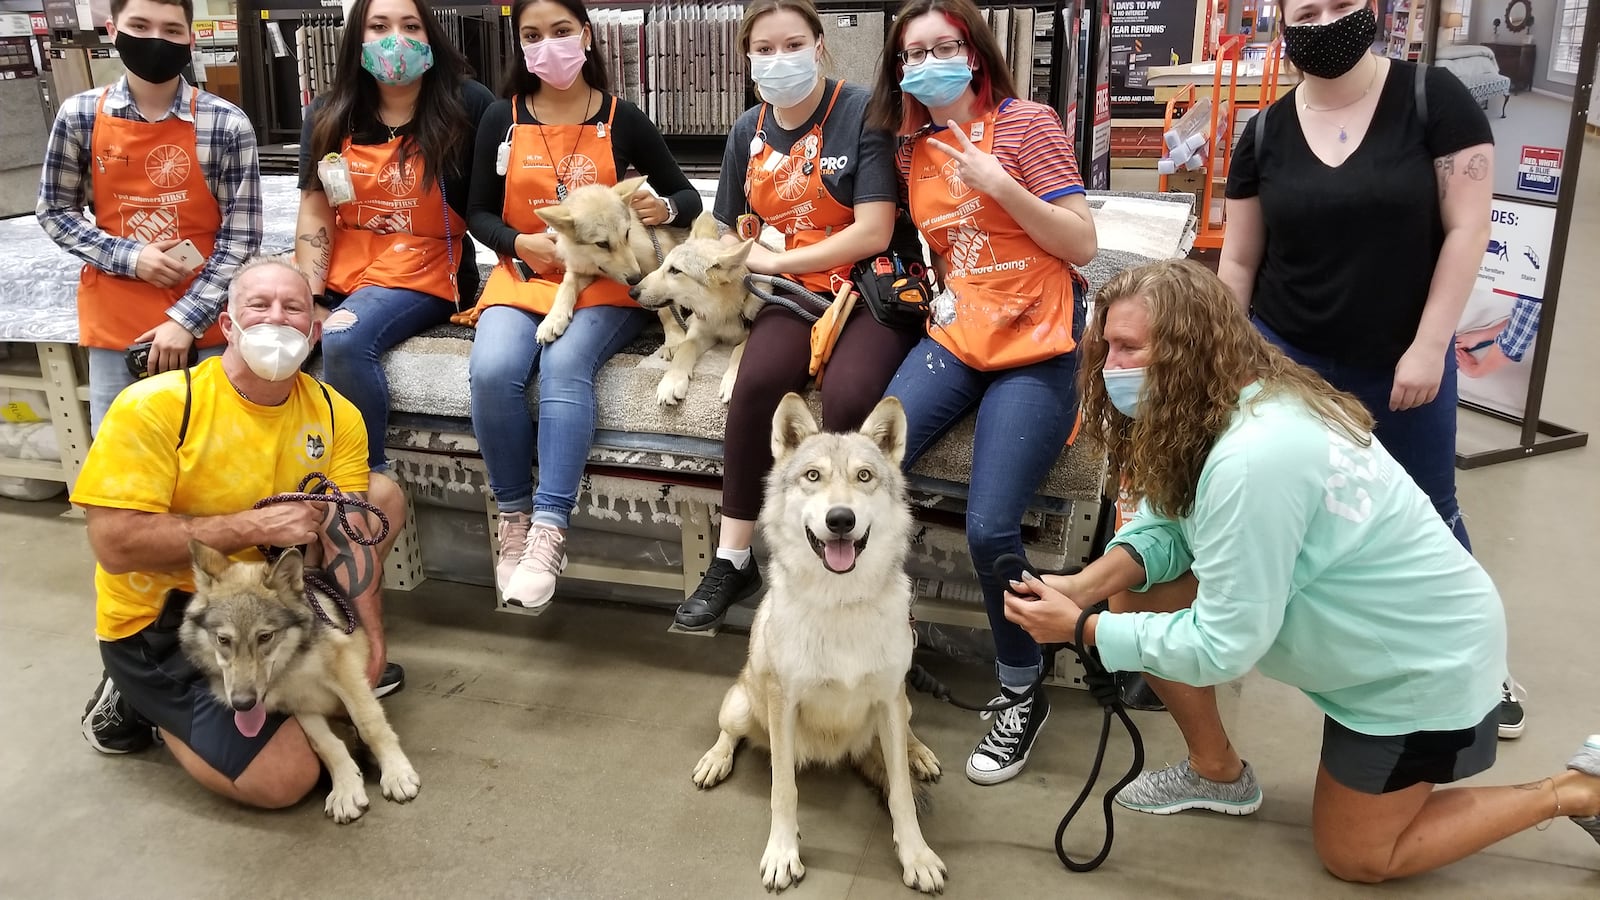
[[980, 170]]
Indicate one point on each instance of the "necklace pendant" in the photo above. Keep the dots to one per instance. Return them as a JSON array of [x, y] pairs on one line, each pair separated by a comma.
[[561, 190], [1342, 136]]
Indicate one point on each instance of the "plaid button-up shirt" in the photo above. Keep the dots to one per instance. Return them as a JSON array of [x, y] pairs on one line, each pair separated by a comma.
[[1520, 330], [226, 145]]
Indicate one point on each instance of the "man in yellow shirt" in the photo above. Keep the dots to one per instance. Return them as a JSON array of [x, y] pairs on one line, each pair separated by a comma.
[[186, 455]]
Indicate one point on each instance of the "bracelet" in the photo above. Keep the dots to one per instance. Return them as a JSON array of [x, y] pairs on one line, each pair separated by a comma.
[[1545, 825]]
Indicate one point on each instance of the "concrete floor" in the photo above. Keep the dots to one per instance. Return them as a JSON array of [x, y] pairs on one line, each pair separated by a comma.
[[555, 752]]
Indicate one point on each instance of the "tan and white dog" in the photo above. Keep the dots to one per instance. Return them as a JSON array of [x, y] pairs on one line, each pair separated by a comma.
[[599, 235], [832, 640], [249, 629], [704, 277]]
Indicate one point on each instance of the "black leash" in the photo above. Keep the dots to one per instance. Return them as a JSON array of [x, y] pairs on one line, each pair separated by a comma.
[[318, 488], [1102, 687], [767, 287]]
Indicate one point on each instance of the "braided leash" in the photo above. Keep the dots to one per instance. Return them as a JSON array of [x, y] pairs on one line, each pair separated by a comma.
[[318, 488], [759, 284]]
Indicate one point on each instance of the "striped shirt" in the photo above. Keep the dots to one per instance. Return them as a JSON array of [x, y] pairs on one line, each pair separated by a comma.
[[226, 146], [1030, 142], [1520, 330]]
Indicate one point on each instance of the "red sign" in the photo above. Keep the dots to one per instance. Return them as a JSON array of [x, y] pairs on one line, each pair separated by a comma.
[[41, 25], [1539, 170]]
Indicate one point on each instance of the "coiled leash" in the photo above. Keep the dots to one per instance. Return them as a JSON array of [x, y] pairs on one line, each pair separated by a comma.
[[1102, 687], [767, 288], [318, 488]]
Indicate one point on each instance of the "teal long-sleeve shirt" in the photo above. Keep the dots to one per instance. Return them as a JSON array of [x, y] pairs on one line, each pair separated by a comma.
[[1321, 563]]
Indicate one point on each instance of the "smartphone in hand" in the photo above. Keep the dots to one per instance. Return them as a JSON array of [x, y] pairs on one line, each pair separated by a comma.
[[187, 255]]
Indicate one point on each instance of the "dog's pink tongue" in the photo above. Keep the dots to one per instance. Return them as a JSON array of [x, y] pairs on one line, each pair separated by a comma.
[[839, 555], [251, 721]]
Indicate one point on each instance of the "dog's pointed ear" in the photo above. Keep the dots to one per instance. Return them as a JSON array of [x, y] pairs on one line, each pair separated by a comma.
[[734, 257], [791, 425], [626, 189], [288, 574], [557, 217], [209, 563], [886, 426], [705, 227]]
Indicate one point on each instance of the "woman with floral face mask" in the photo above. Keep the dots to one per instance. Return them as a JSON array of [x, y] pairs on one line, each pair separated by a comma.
[[385, 173], [1358, 210], [993, 187], [557, 129], [803, 163]]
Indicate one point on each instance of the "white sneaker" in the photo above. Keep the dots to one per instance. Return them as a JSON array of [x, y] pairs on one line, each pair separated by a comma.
[[513, 543], [533, 583]]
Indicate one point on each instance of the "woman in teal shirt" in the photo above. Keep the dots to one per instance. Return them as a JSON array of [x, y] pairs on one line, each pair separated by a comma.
[[1275, 533]]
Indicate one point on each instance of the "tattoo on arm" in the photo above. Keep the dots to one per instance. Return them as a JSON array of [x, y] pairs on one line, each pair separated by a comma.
[[320, 241], [352, 566], [1478, 167], [1444, 167]]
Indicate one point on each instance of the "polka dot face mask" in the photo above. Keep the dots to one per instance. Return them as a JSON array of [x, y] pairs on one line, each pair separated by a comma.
[[1328, 51]]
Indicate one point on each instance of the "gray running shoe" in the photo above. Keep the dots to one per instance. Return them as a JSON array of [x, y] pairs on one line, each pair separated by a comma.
[[1177, 788], [1587, 761]]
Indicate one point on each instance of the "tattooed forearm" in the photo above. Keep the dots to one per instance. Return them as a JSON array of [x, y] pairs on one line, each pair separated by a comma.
[[321, 254], [1478, 167], [354, 568]]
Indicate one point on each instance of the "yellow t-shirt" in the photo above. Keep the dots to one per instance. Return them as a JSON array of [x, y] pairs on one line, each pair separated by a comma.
[[234, 454]]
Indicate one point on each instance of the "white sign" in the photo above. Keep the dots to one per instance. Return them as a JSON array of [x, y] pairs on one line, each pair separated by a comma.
[[1518, 254], [1499, 327]]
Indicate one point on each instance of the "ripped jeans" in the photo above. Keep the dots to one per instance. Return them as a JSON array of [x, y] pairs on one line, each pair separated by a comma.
[[354, 338]]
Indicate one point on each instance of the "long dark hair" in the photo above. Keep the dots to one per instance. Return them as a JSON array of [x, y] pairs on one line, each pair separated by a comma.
[[518, 80], [440, 125], [892, 110]]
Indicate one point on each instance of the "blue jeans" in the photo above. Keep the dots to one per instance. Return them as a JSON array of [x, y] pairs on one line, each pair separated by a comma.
[[108, 375], [1025, 416], [352, 349], [1422, 440], [505, 354]]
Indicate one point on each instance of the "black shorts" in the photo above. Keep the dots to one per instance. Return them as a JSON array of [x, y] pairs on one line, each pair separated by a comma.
[[1374, 764], [161, 685]]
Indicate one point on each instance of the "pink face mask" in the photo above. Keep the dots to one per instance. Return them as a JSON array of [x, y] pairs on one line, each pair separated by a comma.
[[557, 61]]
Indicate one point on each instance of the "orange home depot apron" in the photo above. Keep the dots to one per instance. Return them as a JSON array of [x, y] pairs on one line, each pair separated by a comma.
[[1013, 301], [785, 190], [535, 180], [393, 234], [147, 186]]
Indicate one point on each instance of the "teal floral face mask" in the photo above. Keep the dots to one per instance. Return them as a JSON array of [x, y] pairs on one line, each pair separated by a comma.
[[396, 60]]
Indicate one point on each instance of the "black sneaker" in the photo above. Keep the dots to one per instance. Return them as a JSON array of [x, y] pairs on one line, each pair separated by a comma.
[[1004, 750], [724, 585], [392, 681], [111, 726], [1511, 717]]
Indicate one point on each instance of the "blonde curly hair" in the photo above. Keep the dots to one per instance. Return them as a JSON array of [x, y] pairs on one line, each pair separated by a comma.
[[1203, 349]]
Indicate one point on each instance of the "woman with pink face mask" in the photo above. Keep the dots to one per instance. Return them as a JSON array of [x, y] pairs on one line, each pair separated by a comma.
[[556, 130]]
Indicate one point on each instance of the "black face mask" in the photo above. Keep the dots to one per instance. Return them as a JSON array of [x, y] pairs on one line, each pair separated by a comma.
[[1328, 51], [154, 59]]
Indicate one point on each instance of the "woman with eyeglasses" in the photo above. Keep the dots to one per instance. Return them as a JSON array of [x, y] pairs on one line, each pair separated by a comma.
[[993, 187], [803, 163], [556, 130]]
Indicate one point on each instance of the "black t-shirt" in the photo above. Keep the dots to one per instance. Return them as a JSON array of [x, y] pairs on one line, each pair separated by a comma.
[[1350, 251], [458, 185], [635, 142]]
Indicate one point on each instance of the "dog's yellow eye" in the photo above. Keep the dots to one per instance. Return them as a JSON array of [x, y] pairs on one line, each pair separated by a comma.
[[864, 476], [265, 637], [813, 475], [223, 640]]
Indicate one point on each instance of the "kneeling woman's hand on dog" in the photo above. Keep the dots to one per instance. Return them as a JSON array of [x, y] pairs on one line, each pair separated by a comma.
[[1044, 610]]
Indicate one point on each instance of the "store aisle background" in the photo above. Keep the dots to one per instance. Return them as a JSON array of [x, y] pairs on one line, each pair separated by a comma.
[[555, 752]]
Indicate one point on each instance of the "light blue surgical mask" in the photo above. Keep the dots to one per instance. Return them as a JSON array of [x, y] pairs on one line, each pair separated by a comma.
[[396, 60], [1123, 387], [937, 82]]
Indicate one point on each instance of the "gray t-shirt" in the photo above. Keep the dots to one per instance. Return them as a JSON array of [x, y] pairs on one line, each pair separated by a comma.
[[868, 173]]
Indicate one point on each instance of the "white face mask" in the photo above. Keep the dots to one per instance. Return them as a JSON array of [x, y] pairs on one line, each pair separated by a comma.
[[273, 352], [784, 79]]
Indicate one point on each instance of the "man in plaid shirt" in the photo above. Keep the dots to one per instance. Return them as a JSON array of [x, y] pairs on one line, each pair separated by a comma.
[[1511, 340], [170, 174]]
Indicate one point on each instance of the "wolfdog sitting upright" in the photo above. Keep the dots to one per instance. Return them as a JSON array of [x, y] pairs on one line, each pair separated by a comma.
[[832, 641]]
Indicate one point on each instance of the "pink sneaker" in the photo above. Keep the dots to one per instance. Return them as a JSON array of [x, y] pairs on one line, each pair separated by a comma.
[[533, 583], [513, 543]]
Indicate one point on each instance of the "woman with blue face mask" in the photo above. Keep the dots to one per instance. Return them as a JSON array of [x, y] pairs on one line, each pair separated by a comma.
[[992, 184], [803, 163], [1275, 532], [385, 173]]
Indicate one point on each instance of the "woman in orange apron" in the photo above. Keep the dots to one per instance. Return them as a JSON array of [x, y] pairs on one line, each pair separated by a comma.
[[994, 190], [385, 174], [556, 130], [803, 163]]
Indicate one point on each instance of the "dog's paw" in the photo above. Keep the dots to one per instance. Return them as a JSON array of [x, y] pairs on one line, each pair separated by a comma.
[[673, 387], [400, 783], [668, 349], [922, 869], [780, 864], [346, 804], [924, 765], [712, 768], [554, 326], [725, 393]]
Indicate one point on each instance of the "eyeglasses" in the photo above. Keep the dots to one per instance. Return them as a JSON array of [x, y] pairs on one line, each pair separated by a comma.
[[941, 50]]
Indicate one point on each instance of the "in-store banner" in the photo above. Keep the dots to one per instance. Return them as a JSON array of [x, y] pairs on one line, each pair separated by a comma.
[[1147, 33], [1499, 328]]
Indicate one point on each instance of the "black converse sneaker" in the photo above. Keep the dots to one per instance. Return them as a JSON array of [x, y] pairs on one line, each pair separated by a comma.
[[111, 726], [724, 585], [1004, 750]]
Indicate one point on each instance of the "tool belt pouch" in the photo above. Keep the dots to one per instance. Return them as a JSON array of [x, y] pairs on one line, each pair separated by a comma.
[[896, 298]]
